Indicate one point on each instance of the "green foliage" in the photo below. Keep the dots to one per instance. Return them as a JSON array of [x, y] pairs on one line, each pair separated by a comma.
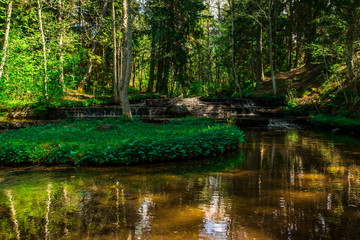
[[130, 142], [293, 102], [144, 96], [183, 47], [330, 122], [44, 104], [194, 121], [235, 95]]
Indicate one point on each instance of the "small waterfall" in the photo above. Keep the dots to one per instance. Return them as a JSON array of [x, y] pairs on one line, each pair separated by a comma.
[[281, 123]]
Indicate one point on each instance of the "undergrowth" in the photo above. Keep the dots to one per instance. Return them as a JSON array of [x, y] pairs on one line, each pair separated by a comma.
[[325, 121], [127, 142]]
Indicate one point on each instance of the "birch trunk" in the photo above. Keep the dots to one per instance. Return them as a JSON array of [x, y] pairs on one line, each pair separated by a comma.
[[297, 51], [271, 48], [6, 40], [290, 34], [350, 39], [43, 49], [61, 58], [115, 70], [126, 56], [259, 53]]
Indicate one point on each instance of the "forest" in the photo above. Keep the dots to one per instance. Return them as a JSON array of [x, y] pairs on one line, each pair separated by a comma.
[[53, 50], [179, 119]]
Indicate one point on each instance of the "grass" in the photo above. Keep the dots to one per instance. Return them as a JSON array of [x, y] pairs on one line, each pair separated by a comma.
[[128, 142]]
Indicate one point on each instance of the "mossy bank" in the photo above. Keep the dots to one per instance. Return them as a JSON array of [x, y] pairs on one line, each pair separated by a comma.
[[117, 142]]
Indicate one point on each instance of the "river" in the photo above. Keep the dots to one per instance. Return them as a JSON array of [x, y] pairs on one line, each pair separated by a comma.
[[283, 184]]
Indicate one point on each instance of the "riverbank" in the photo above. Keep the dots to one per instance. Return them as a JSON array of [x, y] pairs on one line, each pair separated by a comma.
[[336, 124], [117, 142]]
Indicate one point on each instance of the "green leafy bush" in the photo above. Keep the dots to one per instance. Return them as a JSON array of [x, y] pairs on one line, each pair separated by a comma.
[[80, 142]]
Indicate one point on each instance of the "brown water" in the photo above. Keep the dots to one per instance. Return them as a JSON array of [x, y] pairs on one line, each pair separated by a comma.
[[286, 184]]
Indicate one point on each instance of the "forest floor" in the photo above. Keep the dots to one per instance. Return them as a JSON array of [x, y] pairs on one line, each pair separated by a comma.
[[304, 90], [73, 95]]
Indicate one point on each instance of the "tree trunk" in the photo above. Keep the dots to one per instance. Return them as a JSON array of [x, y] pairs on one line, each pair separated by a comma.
[[350, 39], [134, 73], [166, 74], [61, 57], [290, 35], [159, 74], [119, 57], [43, 50], [210, 63], [259, 52], [141, 72], [271, 48], [252, 61], [298, 49], [150, 88], [274, 37], [237, 83], [126, 67], [6, 40], [116, 97]]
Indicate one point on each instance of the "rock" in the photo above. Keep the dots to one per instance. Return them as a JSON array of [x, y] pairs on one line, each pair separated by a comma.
[[71, 126], [336, 130], [179, 111], [105, 127]]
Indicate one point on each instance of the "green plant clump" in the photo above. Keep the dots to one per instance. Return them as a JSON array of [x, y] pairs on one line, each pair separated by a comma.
[[117, 142], [324, 121]]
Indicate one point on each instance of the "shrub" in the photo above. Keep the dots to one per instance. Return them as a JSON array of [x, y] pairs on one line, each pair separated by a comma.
[[324, 121]]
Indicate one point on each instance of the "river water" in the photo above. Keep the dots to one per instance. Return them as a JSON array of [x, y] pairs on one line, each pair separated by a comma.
[[284, 184]]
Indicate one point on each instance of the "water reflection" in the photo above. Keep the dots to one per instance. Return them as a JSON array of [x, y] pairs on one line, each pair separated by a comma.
[[284, 185]]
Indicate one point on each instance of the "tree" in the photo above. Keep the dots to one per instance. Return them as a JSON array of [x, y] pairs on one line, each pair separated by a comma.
[[126, 58], [236, 79], [349, 11], [94, 31], [172, 25], [61, 57], [43, 43], [116, 89], [259, 53], [6, 39], [271, 47]]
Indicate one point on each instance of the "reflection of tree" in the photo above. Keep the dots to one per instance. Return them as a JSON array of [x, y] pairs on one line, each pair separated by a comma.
[[13, 213], [48, 204], [66, 201], [216, 219], [130, 201], [309, 174], [117, 209], [283, 185]]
